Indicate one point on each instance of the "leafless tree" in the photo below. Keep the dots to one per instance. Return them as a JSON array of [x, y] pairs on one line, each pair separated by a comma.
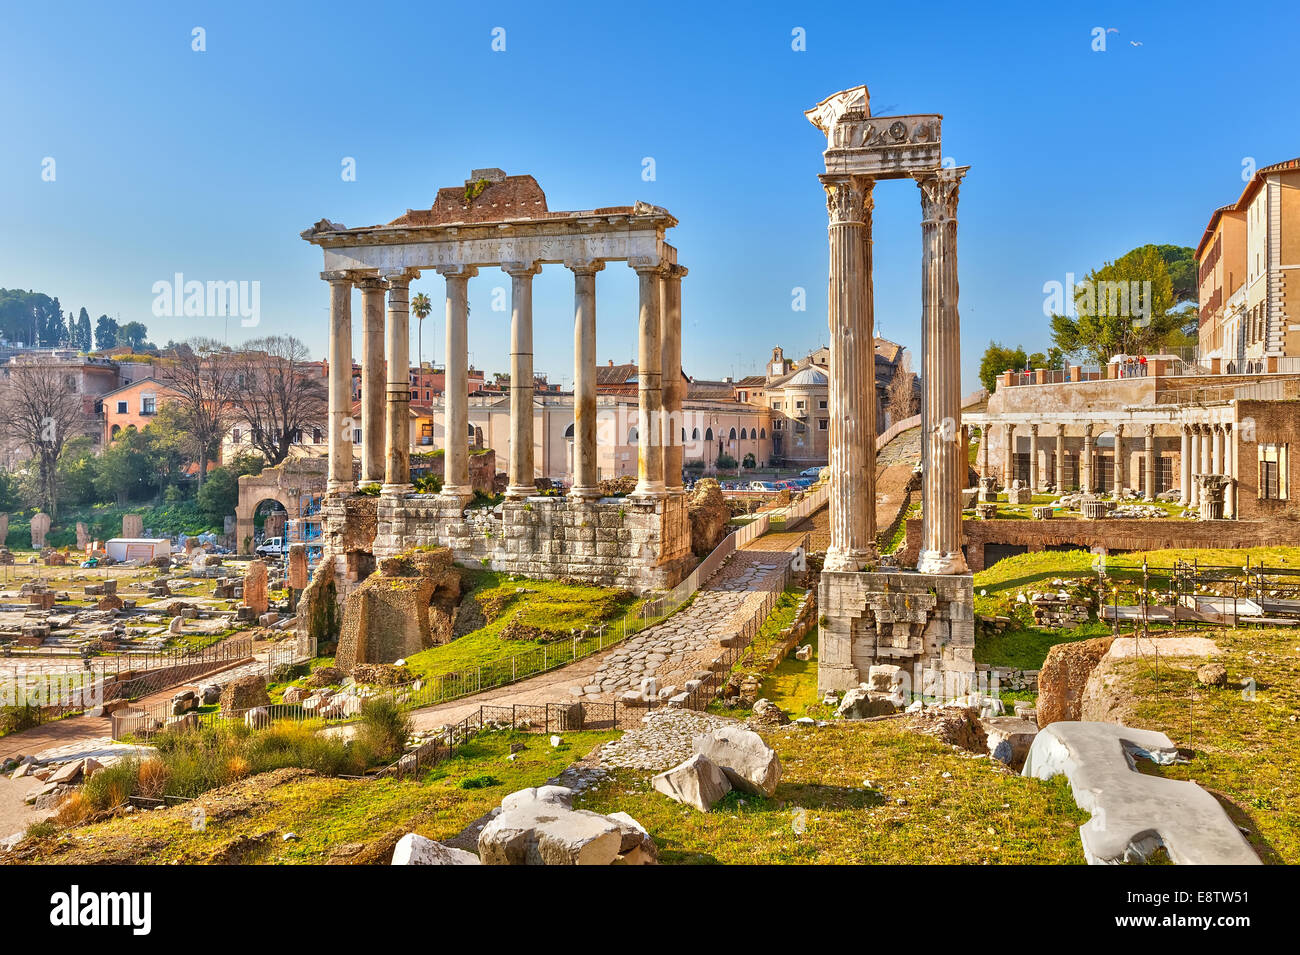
[[279, 394], [204, 375], [900, 395], [42, 411]]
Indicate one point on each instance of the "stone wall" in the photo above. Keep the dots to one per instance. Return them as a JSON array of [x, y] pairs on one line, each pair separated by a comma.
[[612, 542], [1266, 422], [1105, 536], [898, 618]]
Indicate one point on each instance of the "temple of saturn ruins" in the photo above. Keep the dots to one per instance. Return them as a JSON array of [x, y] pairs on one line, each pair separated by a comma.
[[499, 221], [921, 621]]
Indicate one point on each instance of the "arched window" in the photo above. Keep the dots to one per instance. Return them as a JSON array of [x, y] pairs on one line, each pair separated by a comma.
[[117, 429], [695, 435], [683, 435], [632, 436], [732, 436], [743, 434], [708, 434], [762, 434]]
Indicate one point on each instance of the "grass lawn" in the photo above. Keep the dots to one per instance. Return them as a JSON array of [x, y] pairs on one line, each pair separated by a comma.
[[953, 808], [545, 607], [1246, 744], [246, 822]]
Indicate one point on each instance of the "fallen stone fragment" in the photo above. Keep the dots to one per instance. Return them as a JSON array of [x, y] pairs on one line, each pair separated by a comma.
[[415, 849], [698, 782], [749, 763]]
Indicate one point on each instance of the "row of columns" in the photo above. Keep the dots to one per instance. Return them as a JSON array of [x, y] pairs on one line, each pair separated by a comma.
[[1208, 449], [1205, 449], [385, 409], [849, 204]]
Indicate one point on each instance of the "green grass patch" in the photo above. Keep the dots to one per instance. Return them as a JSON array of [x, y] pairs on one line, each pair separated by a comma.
[[523, 615], [823, 813], [1243, 737], [335, 819]]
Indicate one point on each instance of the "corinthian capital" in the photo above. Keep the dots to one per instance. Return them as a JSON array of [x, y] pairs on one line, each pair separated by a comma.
[[848, 199], [939, 190]]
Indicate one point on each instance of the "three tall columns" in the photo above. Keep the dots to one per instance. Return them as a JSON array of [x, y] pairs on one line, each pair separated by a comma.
[[852, 379], [945, 457]]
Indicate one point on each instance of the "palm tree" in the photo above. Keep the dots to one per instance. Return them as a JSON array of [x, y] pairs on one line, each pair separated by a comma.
[[421, 308]]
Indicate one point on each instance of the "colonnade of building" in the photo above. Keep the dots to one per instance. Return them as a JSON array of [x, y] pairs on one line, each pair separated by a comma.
[[1205, 448], [386, 397]]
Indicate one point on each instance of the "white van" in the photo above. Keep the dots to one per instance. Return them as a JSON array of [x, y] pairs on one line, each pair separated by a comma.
[[272, 547]]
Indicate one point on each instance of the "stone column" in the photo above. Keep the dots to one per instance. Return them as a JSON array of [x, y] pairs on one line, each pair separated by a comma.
[[942, 476], [1149, 462], [1085, 461], [984, 450], [650, 405], [455, 389], [522, 478], [397, 443], [852, 394], [1197, 471], [674, 389], [1008, 454], [1185, 465], [1060, 459], [1230, 468], [586, 482], [340, 383], [1120, 470], [372, 380], [1033, 459], [1205, 450], [1216, 449]]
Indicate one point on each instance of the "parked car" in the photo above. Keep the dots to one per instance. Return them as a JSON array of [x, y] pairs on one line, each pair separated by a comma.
[[762, 486], [813, 473], [272, 547]]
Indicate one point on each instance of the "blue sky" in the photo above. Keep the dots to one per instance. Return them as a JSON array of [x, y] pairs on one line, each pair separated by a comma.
[[211, 163]]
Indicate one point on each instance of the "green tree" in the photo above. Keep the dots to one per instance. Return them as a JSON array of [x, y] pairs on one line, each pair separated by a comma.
[[133, 335], [81, 337], [219, 495], [127, 468], [77, 467], [999, 358], [421, 308], [10, 493], [105, 333], [1126, 306]]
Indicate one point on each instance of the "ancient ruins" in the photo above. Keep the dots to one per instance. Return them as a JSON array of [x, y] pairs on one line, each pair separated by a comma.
[[871, 617], [499, 221]]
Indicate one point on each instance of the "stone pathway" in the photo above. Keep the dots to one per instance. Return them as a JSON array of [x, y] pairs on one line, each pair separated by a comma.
[[684, 644], [665, 739], [673, 651]]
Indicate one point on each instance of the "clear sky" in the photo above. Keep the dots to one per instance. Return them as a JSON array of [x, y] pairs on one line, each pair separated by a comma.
[[210, 163]]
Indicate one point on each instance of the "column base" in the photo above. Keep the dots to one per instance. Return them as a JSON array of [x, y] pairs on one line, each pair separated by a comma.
[[333, 486], [521, 490], [939, 562], [390, 489], [649, 491], [584, 493], [850, 561], [372, 479], [461, 493]]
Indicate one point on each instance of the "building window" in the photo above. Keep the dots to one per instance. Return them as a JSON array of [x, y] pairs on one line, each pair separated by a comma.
[[823, 424], [743, 434], [708, 434], [776, 406], [148, 404], [1273, 472], [762, 434], [356, 435], [695, 434], [632, 436], [778, 424], [315, 435], [732, 435], [821, 405], [235, 435], [121, 407]]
